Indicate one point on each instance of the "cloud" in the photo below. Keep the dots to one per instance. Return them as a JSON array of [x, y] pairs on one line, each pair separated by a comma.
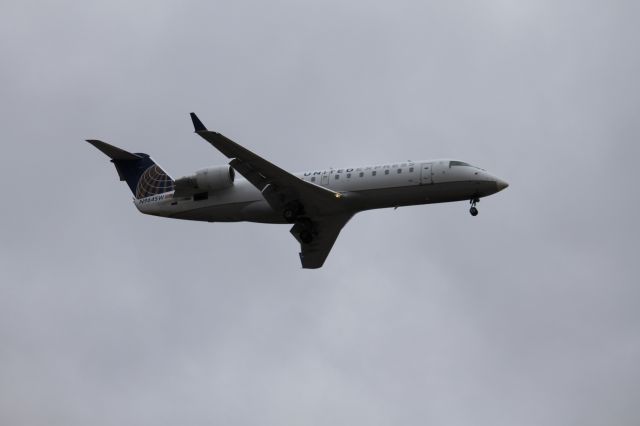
[[523, 315]]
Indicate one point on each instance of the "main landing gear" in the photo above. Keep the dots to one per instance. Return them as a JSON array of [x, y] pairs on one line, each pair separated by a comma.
[[473, 210], [304, 230], [292, 211], [306, 236]]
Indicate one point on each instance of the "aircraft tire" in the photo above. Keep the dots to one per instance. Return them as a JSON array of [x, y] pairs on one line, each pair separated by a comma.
[[289, 215]]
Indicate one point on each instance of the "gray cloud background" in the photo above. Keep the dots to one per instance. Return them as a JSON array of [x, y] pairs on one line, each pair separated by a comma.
[[524, 315]]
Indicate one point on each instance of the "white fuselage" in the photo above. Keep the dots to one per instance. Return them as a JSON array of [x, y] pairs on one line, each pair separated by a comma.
[[362, 188]]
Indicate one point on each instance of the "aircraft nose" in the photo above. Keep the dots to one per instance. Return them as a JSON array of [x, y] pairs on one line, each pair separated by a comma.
[[501, 184]]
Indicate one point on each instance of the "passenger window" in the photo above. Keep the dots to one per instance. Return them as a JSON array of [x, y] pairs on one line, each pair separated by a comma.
[[337, 177], [399, 171], [373, 173], [410, 169], [313, 178], [386, 172], [361, 174], [348, 175]]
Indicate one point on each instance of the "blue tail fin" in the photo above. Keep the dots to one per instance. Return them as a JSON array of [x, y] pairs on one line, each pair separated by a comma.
[[144, 177]]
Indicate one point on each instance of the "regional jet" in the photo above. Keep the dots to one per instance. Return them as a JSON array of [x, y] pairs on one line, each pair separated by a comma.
[[317, 203]]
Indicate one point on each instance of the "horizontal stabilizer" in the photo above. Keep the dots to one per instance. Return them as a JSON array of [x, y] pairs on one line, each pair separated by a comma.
[[113, 152]]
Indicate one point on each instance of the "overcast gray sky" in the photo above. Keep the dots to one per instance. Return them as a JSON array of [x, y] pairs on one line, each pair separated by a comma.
[[527, 314]]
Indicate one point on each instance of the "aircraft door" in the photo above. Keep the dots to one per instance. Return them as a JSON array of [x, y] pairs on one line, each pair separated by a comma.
[[325, 180], [426, 176]]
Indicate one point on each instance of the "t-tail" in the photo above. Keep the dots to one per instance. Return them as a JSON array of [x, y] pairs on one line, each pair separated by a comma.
[[144, 177]]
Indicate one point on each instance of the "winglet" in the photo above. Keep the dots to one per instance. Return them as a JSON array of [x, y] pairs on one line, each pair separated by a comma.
[[197, 124]]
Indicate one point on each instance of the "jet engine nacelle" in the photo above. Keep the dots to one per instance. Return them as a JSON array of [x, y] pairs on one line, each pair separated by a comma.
[[206, 180]]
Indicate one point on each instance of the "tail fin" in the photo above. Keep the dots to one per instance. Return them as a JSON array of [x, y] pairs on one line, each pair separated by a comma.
[[142, 174]]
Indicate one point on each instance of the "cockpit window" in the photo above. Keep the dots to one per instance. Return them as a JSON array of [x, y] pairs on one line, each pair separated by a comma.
[[458, 163]]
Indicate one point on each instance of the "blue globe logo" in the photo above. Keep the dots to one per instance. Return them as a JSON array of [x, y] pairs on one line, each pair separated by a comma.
[[153, 181]]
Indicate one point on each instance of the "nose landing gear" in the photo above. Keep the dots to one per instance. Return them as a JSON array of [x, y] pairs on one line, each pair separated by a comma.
[[473, 210]]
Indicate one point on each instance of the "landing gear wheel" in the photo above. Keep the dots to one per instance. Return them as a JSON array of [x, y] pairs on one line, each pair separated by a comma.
[[473, 210], [292, 211], [289, 215], [306, 237]]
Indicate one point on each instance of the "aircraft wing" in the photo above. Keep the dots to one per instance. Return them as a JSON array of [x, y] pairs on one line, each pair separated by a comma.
[[325, 231], [278, 186]]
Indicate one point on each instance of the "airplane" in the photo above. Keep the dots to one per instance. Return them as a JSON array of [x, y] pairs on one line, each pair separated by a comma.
[[317, 203]]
